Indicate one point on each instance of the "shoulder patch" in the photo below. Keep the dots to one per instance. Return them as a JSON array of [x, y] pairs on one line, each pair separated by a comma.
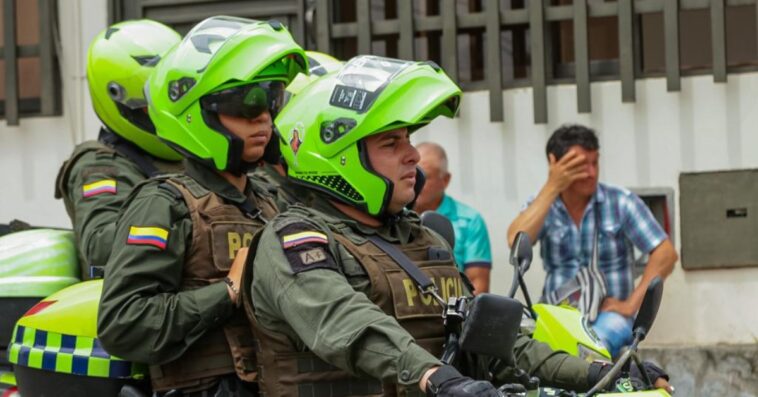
[[306, 248], [102, 186], [304, 237], [155, 236]]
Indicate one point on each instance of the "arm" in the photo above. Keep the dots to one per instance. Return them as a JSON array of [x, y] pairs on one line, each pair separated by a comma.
[[553, 368], [96, 214], [316, 305], [143, 316], [479, 277], [647, 235], [563, 173], [477, 255], [661, 263]]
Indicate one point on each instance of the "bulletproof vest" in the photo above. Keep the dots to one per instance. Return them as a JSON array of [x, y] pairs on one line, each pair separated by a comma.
[[286, 371], [219, 230]]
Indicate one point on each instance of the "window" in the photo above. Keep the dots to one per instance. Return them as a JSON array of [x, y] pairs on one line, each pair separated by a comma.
[[29, 66]]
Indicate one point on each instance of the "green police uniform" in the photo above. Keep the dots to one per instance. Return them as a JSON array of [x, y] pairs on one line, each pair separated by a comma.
[[94, 183], [284, 190], [335, 300], [164, 302]]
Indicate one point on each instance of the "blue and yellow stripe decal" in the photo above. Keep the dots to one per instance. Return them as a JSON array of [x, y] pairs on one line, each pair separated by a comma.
[[68, 354]]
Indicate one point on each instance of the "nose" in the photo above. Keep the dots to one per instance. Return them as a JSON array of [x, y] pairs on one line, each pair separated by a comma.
[[413, 156], [592, 170]]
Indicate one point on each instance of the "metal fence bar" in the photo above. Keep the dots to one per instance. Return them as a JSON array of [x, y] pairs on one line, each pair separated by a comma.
[[449, 39], [581, 58], [626, 49], [47, 70], [323, 22], [671, 38], [537, 36], [718, 41], [405, 15], [363, 11], [494, 68], [10, 58]]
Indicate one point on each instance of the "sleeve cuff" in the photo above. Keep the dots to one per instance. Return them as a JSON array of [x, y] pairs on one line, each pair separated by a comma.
[[413, 363], [484, 264], [214, 304]]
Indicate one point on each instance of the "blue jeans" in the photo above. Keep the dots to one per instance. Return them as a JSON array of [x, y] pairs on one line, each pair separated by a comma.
[[614, 330]]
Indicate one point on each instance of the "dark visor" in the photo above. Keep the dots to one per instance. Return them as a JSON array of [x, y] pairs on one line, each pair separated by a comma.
[[247, 101]]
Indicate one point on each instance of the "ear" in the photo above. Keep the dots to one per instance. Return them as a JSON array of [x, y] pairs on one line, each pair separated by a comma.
[[446, 179]]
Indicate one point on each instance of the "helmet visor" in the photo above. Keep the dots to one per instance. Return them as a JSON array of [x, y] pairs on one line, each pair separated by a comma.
[[362, 79], [247, 101]]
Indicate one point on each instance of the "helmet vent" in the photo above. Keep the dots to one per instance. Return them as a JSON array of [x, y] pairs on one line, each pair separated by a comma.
[[337, 184]]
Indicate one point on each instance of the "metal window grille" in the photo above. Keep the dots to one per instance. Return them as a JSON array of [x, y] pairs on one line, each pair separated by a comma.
[[31, 83], [497, 44]]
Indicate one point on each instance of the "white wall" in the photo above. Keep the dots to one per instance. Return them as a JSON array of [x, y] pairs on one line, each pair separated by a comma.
[[706, 126], [31, 153], [496, 166]]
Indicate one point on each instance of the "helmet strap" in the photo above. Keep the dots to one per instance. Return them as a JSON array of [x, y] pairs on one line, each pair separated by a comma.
[[418, 187], [234, 162]]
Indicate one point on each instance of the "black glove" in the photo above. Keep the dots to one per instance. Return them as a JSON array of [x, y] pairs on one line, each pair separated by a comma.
[[598, 370], [446, 381]]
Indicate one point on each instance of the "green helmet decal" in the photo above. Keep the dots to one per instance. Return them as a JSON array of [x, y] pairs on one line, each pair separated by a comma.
[[119, 62], [321, 129], [224, 65]]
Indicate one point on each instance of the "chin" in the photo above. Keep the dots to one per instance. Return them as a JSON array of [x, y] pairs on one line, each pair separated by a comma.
[[252, 157]]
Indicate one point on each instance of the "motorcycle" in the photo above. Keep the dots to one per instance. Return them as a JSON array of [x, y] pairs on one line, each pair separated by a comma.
[[561, 327], [33, 264], [53, 345], [488, 325]]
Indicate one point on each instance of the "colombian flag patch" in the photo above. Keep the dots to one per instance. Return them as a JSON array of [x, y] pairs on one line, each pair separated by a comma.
[[99, 187], [155, 236], [293, 240]]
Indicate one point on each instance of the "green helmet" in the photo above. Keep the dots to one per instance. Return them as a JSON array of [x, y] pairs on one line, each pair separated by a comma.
[[320, 64], [119, 61], [322, 128], [225, 65]]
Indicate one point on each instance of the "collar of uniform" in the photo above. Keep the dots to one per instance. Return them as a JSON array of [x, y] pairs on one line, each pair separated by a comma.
[[213, 181], [272, 174], [398, 229]]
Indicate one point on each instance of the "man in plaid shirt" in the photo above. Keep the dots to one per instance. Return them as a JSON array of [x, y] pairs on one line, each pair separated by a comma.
[[562, 217]]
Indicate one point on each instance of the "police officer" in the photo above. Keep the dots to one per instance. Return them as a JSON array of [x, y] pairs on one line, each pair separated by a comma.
[[98, 177], [172, 282], [334, 313]]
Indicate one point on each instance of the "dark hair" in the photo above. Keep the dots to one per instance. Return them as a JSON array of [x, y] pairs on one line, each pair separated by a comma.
[[569, 135]]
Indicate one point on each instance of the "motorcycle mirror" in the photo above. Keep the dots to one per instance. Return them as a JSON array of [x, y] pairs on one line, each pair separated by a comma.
[[521, 252], [491, 327], [440, 224], [649, 308]]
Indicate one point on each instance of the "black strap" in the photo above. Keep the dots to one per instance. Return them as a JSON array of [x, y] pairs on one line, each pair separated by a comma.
[[440, 376], [424, 283], [130, 151]]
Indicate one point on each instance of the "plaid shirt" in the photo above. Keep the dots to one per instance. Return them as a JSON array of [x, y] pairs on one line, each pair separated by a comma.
[[625, 221]]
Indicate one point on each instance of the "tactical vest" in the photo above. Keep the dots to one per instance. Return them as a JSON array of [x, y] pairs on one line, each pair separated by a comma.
[[219, 230], [285, 371]]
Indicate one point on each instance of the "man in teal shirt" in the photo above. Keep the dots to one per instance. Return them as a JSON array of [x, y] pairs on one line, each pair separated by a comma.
[[472, 243]]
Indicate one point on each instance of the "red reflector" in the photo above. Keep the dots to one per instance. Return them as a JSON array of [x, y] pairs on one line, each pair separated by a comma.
[[38, 308]]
